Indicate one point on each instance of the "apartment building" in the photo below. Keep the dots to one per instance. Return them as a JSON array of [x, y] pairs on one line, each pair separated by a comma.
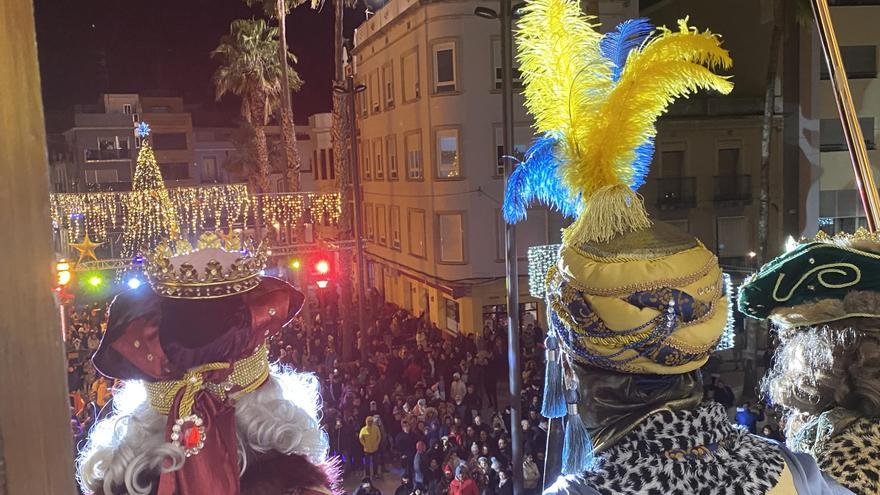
[[840, 209], [99, 148], [430, 161]]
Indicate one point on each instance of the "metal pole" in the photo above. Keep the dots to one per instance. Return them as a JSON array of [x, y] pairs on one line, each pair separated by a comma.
[[358, 219], [510, 256], [852, 132]]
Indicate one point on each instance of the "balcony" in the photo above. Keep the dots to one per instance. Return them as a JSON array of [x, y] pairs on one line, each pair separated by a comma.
[[98, 155], [674, 193], [733, 188]]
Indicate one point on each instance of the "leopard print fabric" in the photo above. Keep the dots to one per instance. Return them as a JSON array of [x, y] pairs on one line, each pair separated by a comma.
[[853, 457], [687, 453]]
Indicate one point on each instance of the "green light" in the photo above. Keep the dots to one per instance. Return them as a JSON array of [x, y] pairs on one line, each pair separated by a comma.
[[95, 280]]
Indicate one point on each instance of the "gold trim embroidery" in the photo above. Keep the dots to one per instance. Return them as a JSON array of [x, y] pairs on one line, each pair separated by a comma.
[[822, 271]]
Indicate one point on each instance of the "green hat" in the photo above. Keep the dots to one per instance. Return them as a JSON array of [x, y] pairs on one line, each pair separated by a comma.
[[820, 281]]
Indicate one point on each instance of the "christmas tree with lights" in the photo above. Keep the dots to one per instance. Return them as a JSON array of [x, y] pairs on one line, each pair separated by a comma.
[[150, 216]]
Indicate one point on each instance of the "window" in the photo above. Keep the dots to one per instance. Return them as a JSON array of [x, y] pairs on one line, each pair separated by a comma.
[[444, 68], [377, 153], [315, 164], [416, 229], [369, 223], [860, 62], [362, 102], [672, 164], [209, 169], [448, 158], [394, 220], [413, 145], [497, 72], [452, 314], [331, 167], [174, 171], [169, 141], [388, 85], [381, 225], [138, 141], [391, 153], [521, 135], [281, 185], [831, 136], [323, 174], [409, 76], [451, 227], [728, 162], [365, 153], [375, 89], [101, 176], [126, 108]]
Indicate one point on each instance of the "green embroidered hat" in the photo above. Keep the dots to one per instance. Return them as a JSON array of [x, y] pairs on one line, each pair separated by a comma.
[[814, 282]]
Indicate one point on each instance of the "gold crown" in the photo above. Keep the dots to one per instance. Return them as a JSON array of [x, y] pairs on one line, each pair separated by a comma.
[[218, 266]]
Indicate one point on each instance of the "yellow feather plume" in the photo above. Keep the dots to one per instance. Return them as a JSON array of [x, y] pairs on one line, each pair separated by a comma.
[[564, 72], [672, 65]]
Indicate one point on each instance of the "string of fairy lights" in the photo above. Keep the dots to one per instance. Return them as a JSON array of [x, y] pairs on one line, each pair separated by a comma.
[[198, 209]]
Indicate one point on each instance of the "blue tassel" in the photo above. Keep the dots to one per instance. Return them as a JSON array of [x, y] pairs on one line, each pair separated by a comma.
[[554, 391], [577, 449]]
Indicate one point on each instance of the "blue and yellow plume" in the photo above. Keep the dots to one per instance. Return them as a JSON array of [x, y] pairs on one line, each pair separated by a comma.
[[595, 100]]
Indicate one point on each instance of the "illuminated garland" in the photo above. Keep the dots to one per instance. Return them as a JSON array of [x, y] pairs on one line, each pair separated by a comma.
[[728, 336], [198, 209], [541, 258]]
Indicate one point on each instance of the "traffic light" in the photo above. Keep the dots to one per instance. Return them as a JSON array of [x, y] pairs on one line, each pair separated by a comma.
[[295, 264], [63, 273], [321, 272]]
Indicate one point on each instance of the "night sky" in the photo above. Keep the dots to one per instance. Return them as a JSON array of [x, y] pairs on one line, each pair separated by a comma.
[[88, 47]]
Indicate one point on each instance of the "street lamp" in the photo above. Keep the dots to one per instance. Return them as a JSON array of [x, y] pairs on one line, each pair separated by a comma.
[[505, 15], [351, 90]]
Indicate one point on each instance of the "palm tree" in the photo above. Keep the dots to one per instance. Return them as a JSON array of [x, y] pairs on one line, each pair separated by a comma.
[[249, 68], [278, 9]]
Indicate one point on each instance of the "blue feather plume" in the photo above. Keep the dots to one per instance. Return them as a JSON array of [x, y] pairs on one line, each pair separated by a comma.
[[617, 44], [642, 164], [535, 179]]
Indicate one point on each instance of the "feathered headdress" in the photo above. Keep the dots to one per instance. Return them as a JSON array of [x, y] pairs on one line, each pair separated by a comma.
[[595, 100]]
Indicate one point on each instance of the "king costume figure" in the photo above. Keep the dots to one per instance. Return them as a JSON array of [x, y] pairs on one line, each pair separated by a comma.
[[202, 411], [635, 308], [823, 297]]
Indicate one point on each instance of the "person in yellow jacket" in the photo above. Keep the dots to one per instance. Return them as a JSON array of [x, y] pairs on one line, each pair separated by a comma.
[[370, 437], [100, 391]]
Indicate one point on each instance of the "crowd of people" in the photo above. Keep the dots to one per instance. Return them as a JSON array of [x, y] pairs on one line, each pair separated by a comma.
[[424, 403], [418, 400], [89, 390]]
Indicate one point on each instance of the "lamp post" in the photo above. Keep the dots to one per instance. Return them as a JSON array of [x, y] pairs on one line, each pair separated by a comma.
[[511, 269], [351, 90]]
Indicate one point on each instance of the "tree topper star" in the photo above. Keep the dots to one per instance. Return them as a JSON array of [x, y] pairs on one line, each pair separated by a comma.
[[142, 129]]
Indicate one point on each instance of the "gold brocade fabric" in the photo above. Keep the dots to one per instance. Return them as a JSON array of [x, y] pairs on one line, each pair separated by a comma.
[[247, 374], [649, 301]]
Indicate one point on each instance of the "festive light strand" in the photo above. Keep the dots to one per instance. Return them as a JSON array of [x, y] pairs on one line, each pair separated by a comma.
[[541, 258], [728, 336]]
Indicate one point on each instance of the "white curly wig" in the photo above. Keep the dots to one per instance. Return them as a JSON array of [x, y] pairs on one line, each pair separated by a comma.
[[127, 451]]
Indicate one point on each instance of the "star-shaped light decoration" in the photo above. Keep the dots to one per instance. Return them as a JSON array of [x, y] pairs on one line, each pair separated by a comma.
[[142, 129], [86, 248]]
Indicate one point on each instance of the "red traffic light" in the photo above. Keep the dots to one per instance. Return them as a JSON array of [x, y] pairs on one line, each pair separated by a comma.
[[322, 267]]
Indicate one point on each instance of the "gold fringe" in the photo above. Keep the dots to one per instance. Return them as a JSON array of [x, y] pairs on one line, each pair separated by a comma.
[[609, 212]]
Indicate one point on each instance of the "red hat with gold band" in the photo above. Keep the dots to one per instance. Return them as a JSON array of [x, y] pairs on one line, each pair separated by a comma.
[[198, 341]]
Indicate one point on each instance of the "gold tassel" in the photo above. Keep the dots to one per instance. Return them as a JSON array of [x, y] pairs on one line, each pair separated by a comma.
[[609, 212]]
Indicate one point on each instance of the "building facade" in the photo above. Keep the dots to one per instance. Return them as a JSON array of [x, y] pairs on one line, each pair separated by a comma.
[[840, 209], [98, 148], [430, 141]]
